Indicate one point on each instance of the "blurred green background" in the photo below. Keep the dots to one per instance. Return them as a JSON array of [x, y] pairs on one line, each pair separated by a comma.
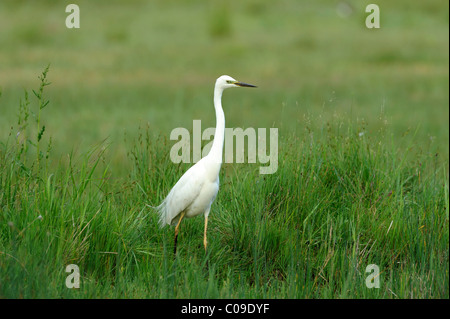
[[154, 63]]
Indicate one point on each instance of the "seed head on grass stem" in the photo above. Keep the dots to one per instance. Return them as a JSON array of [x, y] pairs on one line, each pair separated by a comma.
[[42, 104]]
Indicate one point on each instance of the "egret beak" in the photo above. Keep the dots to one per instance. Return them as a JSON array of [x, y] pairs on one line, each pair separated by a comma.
[[244, 84]]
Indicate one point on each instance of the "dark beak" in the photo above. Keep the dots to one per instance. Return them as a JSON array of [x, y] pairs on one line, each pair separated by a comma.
[[245, 84]]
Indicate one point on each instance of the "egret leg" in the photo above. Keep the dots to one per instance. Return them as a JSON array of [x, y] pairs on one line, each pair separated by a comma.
[[176, 232], [205, 242]]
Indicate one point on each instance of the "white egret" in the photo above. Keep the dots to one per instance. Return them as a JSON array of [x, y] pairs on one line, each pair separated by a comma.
[[196, 190]]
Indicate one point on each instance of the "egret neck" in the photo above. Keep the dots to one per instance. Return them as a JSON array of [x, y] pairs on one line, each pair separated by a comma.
[[217, 148]]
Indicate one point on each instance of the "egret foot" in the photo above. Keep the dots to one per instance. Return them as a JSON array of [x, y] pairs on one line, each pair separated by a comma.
[[205, 242]]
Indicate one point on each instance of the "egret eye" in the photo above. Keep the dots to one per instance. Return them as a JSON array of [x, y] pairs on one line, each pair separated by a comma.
[[230, 82]]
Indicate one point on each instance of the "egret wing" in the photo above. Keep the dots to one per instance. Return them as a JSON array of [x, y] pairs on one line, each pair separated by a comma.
[[182, 195]]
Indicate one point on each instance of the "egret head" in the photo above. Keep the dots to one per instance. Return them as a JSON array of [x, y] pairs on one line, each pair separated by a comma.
[[225, 82]]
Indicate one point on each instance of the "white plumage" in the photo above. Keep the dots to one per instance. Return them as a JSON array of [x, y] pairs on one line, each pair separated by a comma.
[[196, 190], [193, 193]]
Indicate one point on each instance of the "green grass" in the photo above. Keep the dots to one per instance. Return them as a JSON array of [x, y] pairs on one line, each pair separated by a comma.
[[338, 202], [363, 150]]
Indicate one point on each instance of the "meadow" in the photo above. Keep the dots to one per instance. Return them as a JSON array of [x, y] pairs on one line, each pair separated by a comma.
[[362, 179]]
